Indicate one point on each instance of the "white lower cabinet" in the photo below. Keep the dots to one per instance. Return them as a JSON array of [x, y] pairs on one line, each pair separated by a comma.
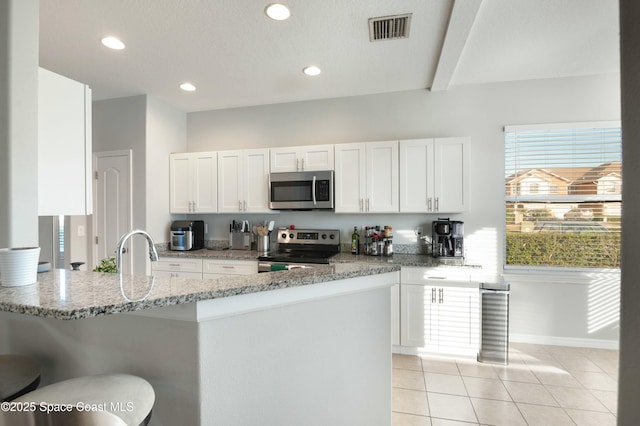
[[215, 268], [202, 268], [439, 312], [172, 267]]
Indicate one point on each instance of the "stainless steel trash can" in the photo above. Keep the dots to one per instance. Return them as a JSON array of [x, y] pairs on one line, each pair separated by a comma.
[[494, 323]]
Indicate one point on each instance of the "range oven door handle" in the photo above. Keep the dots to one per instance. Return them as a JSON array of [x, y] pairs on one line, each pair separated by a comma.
[[313, 190]]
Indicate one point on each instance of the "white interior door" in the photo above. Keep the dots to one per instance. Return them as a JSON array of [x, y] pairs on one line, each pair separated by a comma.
[[113, 205]]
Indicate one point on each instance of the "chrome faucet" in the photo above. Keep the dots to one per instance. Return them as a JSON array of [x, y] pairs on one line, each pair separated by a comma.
[[153, 254]]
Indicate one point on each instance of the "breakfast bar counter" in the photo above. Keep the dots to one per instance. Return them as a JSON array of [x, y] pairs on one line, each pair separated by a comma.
[[306, 346]]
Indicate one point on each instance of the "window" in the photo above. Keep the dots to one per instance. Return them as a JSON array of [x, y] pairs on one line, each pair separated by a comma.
[[563, 195]]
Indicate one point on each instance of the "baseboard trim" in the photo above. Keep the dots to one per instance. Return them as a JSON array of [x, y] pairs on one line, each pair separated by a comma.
[[564, 341]]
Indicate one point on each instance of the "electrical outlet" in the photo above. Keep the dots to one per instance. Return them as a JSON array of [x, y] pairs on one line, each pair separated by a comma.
[[419, 231]]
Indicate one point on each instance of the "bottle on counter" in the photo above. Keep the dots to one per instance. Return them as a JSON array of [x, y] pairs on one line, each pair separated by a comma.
[[355, 241]]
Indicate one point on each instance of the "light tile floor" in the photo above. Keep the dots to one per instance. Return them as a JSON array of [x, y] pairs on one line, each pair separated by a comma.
[[542, 385]]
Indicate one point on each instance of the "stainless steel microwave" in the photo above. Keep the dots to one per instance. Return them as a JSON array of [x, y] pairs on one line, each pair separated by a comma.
[[301, 190]]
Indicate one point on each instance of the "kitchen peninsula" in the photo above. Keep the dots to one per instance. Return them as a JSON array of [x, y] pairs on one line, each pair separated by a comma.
[[308, 346]]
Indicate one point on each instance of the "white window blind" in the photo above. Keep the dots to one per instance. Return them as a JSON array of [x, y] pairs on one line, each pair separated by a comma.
[[563, 186]]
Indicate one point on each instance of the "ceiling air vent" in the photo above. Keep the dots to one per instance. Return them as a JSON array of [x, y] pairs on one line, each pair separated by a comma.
[[389, 27]]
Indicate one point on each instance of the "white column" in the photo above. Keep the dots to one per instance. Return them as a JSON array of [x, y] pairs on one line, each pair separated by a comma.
[[18, 123]]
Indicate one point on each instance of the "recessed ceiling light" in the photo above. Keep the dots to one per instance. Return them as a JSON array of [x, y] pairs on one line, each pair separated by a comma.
[[188, 87], [311, 70], [112, 43], [277, 11]]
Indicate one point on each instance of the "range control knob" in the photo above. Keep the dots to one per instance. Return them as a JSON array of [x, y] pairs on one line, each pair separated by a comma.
[[324, 236], [332, 236], [284, 236], [291, 236]]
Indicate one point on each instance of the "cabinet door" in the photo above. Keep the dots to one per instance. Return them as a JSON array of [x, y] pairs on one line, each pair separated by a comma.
[[256, 180], [350, 178], [317, 157], [205, 182], [416, 176], [284, 160], [451, 174], [180, 183], [458, 320], [382, 177], [395, 314], [64, 146], [230, 179], [417, 324]]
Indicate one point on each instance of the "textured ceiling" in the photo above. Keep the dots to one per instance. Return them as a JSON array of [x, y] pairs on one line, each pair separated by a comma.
[[236, 56]]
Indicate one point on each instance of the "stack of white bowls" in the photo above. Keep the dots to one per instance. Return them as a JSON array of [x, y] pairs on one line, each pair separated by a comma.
[[19, 266]]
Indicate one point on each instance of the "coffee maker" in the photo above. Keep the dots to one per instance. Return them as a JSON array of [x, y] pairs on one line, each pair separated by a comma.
[[447, 238]]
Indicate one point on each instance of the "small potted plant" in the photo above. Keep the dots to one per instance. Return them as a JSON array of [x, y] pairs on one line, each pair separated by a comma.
[[107, 265]]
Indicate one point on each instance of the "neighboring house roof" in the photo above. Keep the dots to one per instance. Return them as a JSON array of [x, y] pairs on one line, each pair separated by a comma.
[[594, 174], [556, 173], [571, 175]]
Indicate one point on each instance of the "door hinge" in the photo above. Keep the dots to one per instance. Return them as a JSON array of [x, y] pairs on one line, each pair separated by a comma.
[[96, 175], [96, 239]]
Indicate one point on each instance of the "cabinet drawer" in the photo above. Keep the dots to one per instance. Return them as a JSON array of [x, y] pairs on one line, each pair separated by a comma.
[[446, 277], [230, 267], [193, 275], [172, 264]]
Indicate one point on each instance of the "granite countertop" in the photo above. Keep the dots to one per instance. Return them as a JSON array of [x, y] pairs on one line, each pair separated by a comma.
[[68, 295], [402, 259]]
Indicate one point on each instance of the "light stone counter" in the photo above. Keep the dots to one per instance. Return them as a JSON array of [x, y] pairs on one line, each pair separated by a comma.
[[70, 295], [401, 259], [269, 349]]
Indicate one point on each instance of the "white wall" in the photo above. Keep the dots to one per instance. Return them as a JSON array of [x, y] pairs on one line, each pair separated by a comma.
[[166, 133], [120, 124]]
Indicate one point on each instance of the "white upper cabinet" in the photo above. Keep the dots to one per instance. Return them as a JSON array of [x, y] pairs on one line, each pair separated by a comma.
[[434, 175], [243, 180], [366, 177], [302, 158], [64, 146], [193, 184]]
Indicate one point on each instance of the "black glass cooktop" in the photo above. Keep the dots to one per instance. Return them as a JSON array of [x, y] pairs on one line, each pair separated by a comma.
[[299, 257]]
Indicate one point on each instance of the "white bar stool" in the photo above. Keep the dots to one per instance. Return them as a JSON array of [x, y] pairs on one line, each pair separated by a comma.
[[130, 398], [57, 418], [19, 374]]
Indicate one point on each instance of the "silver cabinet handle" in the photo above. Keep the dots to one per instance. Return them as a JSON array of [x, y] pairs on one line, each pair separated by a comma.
[[437, 204], [244, 205], [360, 202], [433, 295], [228, 267], [429, 204], [302, 162], [239, 205], [367, 204], [441, 295]]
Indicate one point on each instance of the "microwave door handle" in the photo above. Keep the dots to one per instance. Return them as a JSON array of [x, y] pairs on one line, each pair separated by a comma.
[[313, 190]]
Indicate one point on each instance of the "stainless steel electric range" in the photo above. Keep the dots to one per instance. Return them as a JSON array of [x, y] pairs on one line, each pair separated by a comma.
[[301, 248]]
